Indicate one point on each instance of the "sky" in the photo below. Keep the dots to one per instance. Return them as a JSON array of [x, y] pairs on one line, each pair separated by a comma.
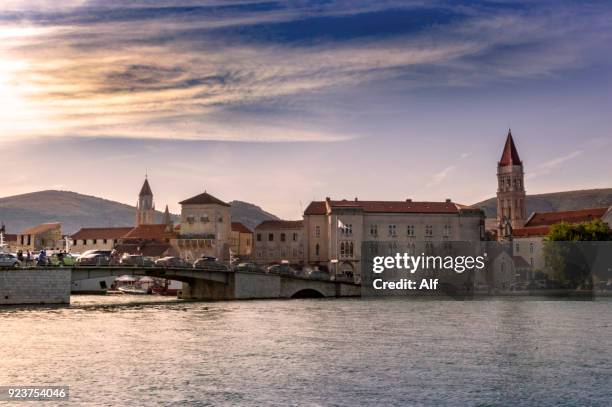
[[282, 102]]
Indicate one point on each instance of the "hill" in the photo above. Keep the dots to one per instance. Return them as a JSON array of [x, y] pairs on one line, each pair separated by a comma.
[[75, 210], [556, 201], [248, 214]]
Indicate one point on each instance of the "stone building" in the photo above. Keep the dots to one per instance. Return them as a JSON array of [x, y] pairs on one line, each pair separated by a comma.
[[334, 231], [44, 236], [511, 212], [97, 238], [205, 228], [145, 206], [241, 240], [528, 241], [278, 241]]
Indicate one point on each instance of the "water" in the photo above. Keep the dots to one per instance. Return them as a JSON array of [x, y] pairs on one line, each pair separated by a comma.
[[314, 352]]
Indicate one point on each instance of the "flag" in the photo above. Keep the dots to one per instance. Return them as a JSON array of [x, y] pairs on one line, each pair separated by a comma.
[[341, 225]]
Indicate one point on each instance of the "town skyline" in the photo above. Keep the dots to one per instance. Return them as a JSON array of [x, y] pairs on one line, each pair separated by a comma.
[[279, 104]]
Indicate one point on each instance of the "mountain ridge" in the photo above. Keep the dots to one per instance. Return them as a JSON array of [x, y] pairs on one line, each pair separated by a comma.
[[556, 201], [74, 211]]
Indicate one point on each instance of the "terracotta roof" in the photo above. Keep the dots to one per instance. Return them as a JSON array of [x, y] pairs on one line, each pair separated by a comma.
[[408, 206], [550, 218], [150, 232], [239, 227], [530, 231], [510, 155], [146, 188], [315, 208], [44, 227], [101, 233], [203, 199], [280, 224]]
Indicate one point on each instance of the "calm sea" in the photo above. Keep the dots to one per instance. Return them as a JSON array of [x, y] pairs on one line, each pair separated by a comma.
[[328, 352]]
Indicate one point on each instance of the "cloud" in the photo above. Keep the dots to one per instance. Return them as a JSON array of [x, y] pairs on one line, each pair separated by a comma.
[[190, 70], [440, 176], [548, 166]]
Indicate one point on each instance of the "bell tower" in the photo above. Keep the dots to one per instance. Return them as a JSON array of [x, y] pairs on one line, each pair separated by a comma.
[[145, 208], [511, 211]]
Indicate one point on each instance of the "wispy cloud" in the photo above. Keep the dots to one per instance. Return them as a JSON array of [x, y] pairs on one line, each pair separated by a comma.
[[550, 165], [208, 70], [440, 176]]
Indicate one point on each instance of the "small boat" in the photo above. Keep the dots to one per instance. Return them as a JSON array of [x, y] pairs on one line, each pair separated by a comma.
[[134, 290]]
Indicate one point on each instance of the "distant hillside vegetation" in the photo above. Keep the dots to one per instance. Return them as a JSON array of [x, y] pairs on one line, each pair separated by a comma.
[[75, 211], [556, 201]]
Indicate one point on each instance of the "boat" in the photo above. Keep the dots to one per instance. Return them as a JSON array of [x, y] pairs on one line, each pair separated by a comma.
[[133, 290]]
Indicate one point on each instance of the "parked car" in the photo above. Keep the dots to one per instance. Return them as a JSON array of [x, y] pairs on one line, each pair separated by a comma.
[[8, 260], [282, 269], [95, 259], [316, 274], [136, 260], [249, 267], [209, 263], [171, 261], [67, 259]]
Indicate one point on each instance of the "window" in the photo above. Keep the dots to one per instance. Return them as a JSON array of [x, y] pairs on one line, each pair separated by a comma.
[[283, 237], [295, 237], [104, 241], [531, 246], [410, 230], [392, 231], [428, 230], [95, 241], [347, 229], [317, 231], [317, 249], [204, 218], [518, 247], [220, 219], [190, 220], [374, 230], [259, 237], [270, 237], [447, 230]]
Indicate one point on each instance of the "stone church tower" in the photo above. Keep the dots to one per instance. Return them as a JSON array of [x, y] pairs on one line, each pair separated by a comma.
[[145, 208], [511, 211]]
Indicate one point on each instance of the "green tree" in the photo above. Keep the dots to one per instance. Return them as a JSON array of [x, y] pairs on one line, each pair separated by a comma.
[[567, 259], [593, 231]]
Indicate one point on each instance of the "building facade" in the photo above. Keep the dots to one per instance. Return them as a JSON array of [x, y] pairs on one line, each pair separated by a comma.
[[241, 240], [205, 228], [279, 241], [511, 212], [529, 241], [44, 236], [97, 238], [334, 231]]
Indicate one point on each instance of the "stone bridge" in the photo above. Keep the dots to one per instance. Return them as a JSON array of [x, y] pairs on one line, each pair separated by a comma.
[[222, 285]]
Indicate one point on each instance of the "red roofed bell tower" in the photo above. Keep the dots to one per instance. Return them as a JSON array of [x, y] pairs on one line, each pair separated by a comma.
[[145, 208], [511, 211]]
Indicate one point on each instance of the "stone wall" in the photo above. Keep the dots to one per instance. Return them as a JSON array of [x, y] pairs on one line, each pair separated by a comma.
[[50, 286]]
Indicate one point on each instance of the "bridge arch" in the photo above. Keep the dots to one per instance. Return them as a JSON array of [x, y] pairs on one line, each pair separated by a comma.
[[308, 293]]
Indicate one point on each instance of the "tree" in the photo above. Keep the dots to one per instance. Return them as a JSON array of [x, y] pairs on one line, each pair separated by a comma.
[[593, 231], [569, 260]]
